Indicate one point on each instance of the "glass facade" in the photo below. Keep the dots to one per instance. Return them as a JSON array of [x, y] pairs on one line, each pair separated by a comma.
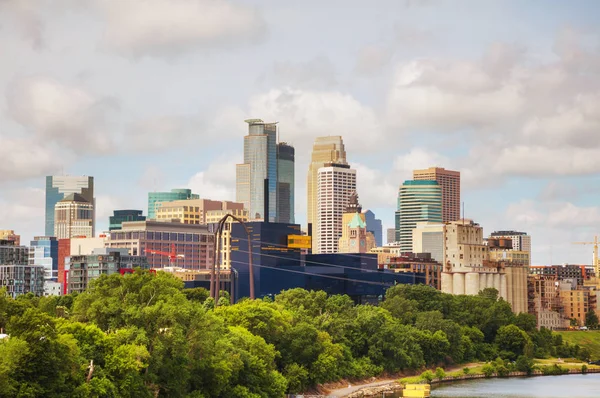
[[285, 183], [154, 198], [58, 187], [417, 201], [44, 252], [260, 163], [120, 216], [22, 279], [375, 227]]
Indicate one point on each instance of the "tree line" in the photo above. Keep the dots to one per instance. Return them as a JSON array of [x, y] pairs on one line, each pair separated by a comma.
[[144, 335]]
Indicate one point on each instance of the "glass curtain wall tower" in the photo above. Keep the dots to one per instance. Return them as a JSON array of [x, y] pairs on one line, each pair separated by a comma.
[[417, 201], [285, 183], [260, 166], [155, 199]]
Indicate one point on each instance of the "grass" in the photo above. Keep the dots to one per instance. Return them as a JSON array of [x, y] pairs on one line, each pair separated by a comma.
[[589, 339]]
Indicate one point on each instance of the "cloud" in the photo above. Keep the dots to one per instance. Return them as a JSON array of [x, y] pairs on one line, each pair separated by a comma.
[[24, 16], [22, 210], [307, 114], [65, 114], [316, 73], [217, 182], [27, 158], [371, 59], [172, 27]]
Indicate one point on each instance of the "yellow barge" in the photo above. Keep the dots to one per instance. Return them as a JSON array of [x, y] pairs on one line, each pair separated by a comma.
[[417, 391]]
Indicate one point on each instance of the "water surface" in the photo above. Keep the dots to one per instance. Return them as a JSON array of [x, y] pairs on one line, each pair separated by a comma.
[[568, 386]]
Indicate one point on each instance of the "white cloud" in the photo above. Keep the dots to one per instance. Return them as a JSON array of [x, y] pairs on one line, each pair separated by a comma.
[[27, 158], [316, 73], [23, 15], [65, 114], [371, 59], [22, 210], [217, 182], [170, 27]]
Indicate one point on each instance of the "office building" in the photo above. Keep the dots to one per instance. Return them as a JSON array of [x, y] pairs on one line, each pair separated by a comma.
[[59, 187], [416, 263], [521, 242], [326, 150], [155, 199], [390, 235], [44, 251], [85, 268], [120, 216], [256, 178], [8, 235], [374, 226], [449, 182], [73, 216], [418, 201], [578, 273], [285, 183], [166, 243], [428, 237], [279, 266], [355, 237], [335, 184], [576, 302], [18, 279], [196, 211]]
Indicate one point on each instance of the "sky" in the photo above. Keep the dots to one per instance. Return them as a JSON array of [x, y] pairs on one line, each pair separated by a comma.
[[150, 95]]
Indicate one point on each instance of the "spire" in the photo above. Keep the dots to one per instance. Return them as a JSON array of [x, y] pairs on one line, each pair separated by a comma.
[[353, 205]]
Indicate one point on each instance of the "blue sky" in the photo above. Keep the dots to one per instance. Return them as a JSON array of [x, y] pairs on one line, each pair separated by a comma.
[[152, 94]]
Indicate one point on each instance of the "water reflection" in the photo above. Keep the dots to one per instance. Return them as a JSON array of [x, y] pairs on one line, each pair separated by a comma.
[[572, 386]]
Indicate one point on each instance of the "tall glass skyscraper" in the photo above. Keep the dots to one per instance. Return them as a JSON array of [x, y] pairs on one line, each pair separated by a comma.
[[58, 187], [260, 164], [285, 183], [417, 201], [176, 194]]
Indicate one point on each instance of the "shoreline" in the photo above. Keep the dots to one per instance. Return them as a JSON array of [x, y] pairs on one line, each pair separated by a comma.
[[376, 391]]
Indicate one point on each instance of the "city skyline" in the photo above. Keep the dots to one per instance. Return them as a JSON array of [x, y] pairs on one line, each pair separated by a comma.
[[511, 108]]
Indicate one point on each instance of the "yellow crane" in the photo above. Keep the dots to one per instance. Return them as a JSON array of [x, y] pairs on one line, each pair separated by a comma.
[[595, 261]]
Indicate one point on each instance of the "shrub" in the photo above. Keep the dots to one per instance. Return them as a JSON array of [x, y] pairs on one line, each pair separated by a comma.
[[466, 371], [440, 374], [488, 370], [427, 376]]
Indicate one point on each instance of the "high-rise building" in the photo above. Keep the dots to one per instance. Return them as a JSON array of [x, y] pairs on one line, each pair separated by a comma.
[[256, 178], [328, 149], [391, 235], [44, 251], [355, 237], [58, 187], [119, 216], [156, 198], [428, 237], [375, 227], [197, 211], [417, 201], [521, 242], [335, 184], [285, 183], [73, 216], [20, 279], [449, 182]]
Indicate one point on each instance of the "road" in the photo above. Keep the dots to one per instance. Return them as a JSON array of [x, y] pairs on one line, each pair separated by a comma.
[[342, 392]]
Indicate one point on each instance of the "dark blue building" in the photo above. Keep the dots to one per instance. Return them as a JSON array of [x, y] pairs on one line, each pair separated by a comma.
[[120, 216], [277, 267]]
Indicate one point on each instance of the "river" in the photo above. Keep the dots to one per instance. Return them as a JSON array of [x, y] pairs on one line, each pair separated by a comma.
[[568, 386]]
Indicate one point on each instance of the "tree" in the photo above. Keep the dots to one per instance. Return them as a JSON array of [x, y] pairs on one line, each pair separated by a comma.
[[440, 374], [198, 294], [512, 341], [526, 322], [524, 364], [427, 376], [591, 319]]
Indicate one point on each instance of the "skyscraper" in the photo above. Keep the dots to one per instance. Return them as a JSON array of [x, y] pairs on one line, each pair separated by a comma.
[[259, 168], [449, 181], [57, 187], [73, 216], [155, 198], [374, 226], [285, 183], [417, 201], [328, 149], [335, 184], [119, 216]]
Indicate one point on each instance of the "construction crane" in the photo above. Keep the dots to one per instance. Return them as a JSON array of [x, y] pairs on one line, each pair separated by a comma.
[[173, 256], [595, 260]]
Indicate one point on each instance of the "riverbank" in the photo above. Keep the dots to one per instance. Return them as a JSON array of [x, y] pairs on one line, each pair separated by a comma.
[[377, 389]]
